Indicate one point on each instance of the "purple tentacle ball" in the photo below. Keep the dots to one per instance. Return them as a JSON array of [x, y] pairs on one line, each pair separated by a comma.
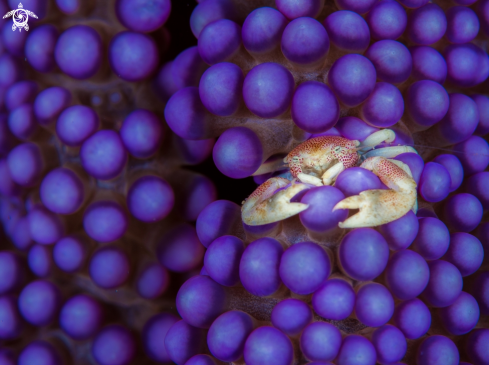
[[200, 301], [352, 88]]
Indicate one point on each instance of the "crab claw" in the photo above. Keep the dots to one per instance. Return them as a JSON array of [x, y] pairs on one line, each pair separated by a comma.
[[265, 205], [378, 206]]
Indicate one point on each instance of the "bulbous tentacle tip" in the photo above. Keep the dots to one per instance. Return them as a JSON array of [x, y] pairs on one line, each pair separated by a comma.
[[266, 205]]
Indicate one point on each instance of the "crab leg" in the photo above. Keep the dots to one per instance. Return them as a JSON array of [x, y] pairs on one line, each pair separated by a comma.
[[332, 173], [266, 205], [389, 152], [384, 135], [309, 179], [377, 206]]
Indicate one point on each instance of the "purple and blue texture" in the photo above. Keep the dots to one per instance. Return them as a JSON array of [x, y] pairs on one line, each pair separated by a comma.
[[427, 103], [81, 317], [384, 107], [62, 191], [259, 266], [374, 305], [268, 89], [182, 341], [45, 227], [133, 56], [406, 274], [386, 20], [400, 233], [304, 267], [467, 64], [454, 168], [12, 272], [50, 103], [200, 301], [154, 333], [267, 345], [356, 350], [222, 258], [238, 152], [11, 323], [103, 155], [461, 316], [39, 302], [180, 250], [105, 221], [465, 252], [40, 260], [433, 238], [153, 281], [220, 88], [291, 316], [143, 16], [348, 31], [320, 341], [319, 217], [114, 345], [413, 318], [75, 124], [473, 154], [363, 254], [477, 346], [227, 335], [391, 59], [142, 133], [79, 52], [426, 25], [428, 64], [437, 350], [299, 8], [305, 41], [354, 180], [445, 284], [217, 219], [39, 47], [434, 184], [39, 353], [262, 30], [314, 107], [352, 88], [335, 299], [109, 267], [219, 41], [463, 212], [389, 343], [150, 199]]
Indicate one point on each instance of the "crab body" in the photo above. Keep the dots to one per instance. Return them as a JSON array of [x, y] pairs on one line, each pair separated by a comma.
[[315, 156], [318, 162]]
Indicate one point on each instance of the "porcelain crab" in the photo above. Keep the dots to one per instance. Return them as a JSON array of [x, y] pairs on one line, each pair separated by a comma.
[[318, 161]]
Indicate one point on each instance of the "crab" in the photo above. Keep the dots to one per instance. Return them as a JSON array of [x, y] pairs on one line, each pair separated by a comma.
[[318, 161]]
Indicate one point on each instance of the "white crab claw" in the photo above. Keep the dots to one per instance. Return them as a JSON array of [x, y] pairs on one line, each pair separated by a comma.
[[377, 207], [265, 206]]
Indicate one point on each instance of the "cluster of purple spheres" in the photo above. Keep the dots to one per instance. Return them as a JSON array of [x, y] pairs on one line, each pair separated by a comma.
[[95, 201], [268, 75], [118, 255]]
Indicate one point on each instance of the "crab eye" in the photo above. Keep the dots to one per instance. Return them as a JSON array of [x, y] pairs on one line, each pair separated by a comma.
[[337, 149]]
